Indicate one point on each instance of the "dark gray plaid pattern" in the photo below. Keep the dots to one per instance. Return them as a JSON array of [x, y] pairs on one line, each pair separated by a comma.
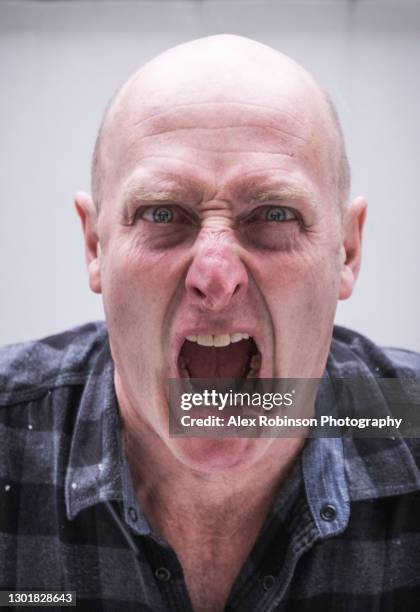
[[343, 535]]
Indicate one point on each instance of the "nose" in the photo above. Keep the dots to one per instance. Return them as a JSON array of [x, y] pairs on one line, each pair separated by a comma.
[[216, 276]]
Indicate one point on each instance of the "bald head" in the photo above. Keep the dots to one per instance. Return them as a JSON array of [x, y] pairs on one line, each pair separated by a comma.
[[221, 69]]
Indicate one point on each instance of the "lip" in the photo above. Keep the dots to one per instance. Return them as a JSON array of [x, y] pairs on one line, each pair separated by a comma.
[[181, 335]]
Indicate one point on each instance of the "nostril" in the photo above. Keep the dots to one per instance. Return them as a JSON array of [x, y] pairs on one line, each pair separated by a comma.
[[238, 286], [199, 293]]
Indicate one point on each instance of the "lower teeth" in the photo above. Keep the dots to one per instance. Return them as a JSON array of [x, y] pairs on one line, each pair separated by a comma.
[[185, 373], [254, 367]]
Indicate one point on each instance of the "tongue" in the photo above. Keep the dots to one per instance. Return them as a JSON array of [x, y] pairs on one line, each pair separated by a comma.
[[218, 362]]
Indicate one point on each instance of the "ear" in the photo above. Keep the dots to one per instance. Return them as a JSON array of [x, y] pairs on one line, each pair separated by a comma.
[[354, 218], [89, 217]]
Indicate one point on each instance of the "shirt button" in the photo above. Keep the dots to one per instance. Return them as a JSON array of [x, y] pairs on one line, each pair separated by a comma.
[[268, 582], [132, 513], [163, 574], [328, 512]]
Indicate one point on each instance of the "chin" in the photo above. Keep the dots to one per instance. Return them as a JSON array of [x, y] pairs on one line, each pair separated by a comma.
[[212, 455]]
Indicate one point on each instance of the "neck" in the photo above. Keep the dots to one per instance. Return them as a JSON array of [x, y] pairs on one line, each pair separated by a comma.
[[211, 519], [165, 485], [168, 486]]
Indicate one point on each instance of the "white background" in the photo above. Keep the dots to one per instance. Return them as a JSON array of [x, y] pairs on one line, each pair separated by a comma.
[[61, 61]]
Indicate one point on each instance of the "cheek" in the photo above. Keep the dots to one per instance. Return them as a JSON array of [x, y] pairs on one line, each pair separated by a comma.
[[300, 289], [294, 272], [137, 282], [301, 298]]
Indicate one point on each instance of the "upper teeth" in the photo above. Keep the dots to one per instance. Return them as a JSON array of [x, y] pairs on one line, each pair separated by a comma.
[[217, 339]]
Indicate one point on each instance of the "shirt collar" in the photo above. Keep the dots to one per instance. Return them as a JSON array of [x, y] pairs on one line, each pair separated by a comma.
[[373, 467], [340, 470], [323, 469], [95, 459]]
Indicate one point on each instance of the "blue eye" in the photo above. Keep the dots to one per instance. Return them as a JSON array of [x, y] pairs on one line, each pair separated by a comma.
[[162, 215], [278, 213], [156, 214], [170, 214]]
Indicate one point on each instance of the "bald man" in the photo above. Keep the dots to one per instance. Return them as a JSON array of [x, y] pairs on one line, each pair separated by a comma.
[[221, 235]]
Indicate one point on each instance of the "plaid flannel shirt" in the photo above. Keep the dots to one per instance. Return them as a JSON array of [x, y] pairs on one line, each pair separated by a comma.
[[344, 532]]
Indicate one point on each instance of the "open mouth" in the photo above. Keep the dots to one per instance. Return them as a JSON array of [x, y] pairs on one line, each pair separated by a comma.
[[233, 355]]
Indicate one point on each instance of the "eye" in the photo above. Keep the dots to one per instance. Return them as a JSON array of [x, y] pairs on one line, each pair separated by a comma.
[[158, 214], [162, 214], [278, 214], [169, 216]]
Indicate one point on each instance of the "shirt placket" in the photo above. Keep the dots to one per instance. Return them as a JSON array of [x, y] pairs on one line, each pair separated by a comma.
[[263, 585]]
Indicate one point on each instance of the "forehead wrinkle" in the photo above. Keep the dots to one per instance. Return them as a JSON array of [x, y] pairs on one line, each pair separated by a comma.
[[220, 154], [167, 121], [163, 113], [224, 127], [171, 158], [226, 151]]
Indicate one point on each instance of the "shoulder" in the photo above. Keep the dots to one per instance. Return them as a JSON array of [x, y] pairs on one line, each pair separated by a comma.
[[380, 383], [28, 369], [352, 352]]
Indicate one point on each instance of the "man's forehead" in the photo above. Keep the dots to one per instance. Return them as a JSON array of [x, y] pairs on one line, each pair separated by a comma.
[[212, 116], [213, 84], [219, 69]]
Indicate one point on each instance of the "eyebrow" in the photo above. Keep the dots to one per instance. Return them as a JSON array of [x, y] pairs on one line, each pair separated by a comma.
[[138, 192], [261, 195]]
